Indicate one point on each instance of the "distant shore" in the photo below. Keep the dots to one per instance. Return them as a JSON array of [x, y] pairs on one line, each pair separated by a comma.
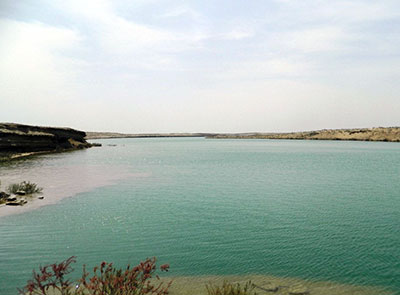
[[109, 135], [20, 141], [389, 134]]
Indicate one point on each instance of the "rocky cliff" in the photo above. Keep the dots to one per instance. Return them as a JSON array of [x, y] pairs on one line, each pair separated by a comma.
[[18, 139]]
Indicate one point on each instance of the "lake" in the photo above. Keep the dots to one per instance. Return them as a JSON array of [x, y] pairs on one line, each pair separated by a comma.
[[314, 210]]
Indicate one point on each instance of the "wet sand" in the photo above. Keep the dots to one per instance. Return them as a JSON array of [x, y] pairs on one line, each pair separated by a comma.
[[195, 285], [60, 183]]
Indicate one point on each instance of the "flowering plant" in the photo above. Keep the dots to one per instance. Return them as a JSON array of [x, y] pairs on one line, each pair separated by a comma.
[[105, 280]]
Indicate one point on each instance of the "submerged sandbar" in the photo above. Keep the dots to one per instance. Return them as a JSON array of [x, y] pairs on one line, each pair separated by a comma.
[[62, 182]]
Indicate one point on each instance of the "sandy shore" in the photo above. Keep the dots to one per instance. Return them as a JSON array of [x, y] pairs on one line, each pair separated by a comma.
[[60, 183], [195, 285]]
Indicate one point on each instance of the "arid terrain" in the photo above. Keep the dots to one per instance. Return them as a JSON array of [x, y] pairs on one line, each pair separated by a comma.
[[391, 134]]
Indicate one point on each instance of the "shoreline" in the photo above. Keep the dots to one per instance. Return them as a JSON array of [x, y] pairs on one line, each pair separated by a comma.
[[25, 155], [379, 134], [59, 184], [266, 284], [188, 285]]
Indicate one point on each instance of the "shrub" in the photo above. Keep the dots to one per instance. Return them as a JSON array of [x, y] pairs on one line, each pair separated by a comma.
[[108, 280], [105, 280], [25, 186], [49, 278], [13, 188], [231, 289]]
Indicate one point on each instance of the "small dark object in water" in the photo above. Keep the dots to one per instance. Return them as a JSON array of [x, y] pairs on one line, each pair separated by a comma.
[[41, 198], [11, 199], [20, 193]]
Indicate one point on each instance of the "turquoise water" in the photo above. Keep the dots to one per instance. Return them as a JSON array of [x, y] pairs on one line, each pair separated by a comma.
[[318, 210]]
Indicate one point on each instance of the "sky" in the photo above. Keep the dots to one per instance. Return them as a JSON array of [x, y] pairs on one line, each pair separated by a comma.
[[142, 66]]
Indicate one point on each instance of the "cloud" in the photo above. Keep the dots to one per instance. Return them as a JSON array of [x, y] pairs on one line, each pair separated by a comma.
[[113, 29], [317, 39], [183, 11], [262, 70], [344, 27], [238, 34], [34, 55], [37, 75], [339, 12], [125, 42], [165, 65], [94, 10]]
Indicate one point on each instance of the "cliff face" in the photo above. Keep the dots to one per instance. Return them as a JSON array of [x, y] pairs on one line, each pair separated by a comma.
[[18, 139]]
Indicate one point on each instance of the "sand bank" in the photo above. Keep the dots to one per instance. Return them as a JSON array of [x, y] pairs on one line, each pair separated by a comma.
[[62, 182], [195, 285]]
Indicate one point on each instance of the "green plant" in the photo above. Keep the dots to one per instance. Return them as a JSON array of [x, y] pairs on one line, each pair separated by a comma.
[[13, 188], [25, 186], [231, 289]]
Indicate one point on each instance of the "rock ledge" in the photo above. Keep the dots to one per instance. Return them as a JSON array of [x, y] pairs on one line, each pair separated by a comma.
[[18, 140]]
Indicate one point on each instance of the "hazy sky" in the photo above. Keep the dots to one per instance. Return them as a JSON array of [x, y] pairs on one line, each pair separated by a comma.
[[200, 66]]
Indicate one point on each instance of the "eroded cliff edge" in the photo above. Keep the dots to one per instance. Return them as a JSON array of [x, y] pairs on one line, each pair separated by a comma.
[[18, 140]]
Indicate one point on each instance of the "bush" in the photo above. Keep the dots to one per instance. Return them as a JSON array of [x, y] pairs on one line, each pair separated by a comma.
[[13, 188], [105, 280], [231, 289], [50, 278], [129, 281], [25, 186]]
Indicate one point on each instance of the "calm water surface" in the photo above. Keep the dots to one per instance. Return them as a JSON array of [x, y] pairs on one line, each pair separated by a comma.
[[318, 210]]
